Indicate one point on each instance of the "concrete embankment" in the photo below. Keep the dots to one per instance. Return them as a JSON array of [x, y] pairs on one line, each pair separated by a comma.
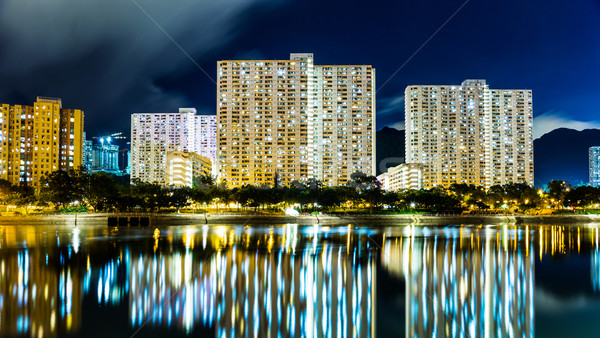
[[243, 219]]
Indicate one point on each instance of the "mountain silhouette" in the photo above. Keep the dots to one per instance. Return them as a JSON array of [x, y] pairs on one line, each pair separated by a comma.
[[390, 148], [562, 154]]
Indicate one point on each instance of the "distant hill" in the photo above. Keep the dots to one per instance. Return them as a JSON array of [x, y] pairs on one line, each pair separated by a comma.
[[390, 148], [562, 154]]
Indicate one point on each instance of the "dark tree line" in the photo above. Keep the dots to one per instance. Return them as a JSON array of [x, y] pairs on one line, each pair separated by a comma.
[[101, 192]]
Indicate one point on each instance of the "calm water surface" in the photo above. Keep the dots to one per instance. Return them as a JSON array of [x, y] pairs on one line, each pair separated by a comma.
[[293, 280]]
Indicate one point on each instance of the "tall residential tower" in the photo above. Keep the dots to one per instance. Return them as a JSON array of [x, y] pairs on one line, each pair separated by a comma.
[[37, 140], [155, 134], [594, 156], [470, 134], [281, 121]]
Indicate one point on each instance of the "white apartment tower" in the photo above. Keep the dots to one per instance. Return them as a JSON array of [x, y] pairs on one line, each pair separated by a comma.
[[206, 136], [154, 134], [470, 134], [291, 120], [594, 156]]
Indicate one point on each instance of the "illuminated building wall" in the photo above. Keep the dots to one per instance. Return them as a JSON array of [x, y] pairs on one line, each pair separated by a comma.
[[206, 137], [184, 167], [465, 286], [348, 114], [290, 120], [154, 134], [594, 156], [404, 176], [37, 140], [88, 145], [105, 157], [470, 134]]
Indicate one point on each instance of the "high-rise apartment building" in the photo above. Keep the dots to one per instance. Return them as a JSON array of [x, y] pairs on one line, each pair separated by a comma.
[[470, 134], [281, 121], [37, 140], [594, 155], [154, 134], [206, 136]]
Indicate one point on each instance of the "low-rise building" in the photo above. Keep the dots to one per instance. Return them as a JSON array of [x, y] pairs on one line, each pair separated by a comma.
[[402, 177], [183, 167]]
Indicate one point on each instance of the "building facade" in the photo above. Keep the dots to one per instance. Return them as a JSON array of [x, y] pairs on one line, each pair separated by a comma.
[[37, 140], [184, 167], [88, 146], [470, 134], [281, 121], [105, 157], [206, 136], [594, 155], [405, 176], [155, 134]]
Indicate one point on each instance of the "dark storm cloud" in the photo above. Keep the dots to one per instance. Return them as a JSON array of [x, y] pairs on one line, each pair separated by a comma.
[[107, 56]]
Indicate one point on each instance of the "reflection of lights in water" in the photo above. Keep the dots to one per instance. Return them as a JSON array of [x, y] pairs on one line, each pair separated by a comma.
[[188, 238], [252, 292], [204, 234], [595, 261], [481, 290], [299, 289], [76, 240], [41, 299]]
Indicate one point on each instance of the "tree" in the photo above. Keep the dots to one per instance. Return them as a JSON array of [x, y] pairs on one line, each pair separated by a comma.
[[179, 197], [582, 196], [469, 194], [329, 197], [557, 190], [102, 191], [149, 196], [367, 189], [22, 196], [200, 196], [5, 190], [361, 182], [204, 182], [63, 187]]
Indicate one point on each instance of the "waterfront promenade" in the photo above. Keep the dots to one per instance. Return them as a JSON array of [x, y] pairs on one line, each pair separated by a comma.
[[158, 219]]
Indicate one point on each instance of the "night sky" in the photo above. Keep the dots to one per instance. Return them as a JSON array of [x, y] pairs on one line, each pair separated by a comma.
[[109, 58]]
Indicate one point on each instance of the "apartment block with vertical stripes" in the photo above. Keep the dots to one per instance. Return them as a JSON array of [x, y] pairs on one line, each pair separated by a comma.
[[470, 134], [281, 121], [39, 139]]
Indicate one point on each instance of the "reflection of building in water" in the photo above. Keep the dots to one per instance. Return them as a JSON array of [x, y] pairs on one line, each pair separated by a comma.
[[465, 285], [37, 296], [40, 280], [595, 262], [328, 291]]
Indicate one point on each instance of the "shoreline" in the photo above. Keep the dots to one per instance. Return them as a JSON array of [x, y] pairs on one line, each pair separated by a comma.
[[325, 219]]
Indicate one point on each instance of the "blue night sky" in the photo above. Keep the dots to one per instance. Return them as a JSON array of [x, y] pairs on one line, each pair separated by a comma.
[[110, 59]]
